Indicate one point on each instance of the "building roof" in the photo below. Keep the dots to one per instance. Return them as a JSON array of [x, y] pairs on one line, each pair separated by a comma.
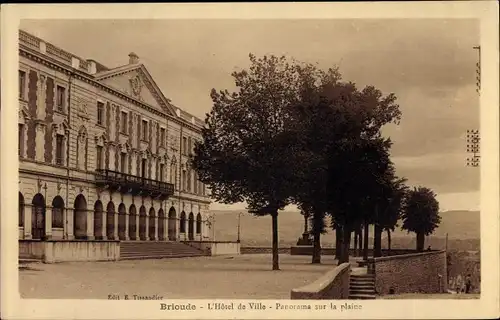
[[104, 72]]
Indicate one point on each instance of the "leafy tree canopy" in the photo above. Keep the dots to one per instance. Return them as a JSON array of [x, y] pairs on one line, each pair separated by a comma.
[[421, 212]]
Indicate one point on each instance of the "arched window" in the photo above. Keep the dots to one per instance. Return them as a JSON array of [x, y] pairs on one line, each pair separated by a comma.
[[182, 223], [198, 223], [21, 210], [57, 212]]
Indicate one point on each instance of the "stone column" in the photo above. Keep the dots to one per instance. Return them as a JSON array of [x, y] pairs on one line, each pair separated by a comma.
[[68, 225], [48, 223], [137, 227], [127, 217], [90, 225], [115, 225], [104, 225], [28, 211], [147, 225], [40, 141]]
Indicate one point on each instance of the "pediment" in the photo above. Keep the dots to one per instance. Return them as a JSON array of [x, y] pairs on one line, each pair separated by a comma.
[[136, 82], [23, 115]]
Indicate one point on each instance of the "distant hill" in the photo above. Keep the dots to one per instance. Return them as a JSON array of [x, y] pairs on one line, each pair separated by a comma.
[[462, 227]]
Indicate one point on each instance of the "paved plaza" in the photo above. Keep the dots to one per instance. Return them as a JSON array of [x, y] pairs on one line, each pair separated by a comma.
[[235, 277]]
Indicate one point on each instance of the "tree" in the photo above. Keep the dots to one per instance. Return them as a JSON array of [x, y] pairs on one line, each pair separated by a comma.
[[389, 207], [332, 115], [421, 214], [243, 156]]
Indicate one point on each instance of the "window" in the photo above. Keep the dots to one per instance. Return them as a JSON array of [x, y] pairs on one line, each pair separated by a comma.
[[100, 113], [162, 168], [123, 125], [190, 150], [59, 150], [188, 187], [61, 94], [144, 130], [184, 145], [123, 162], [20, 145], [184, 180], [143, 168], [99, 158], [22, 84], [195, 184], [162, 137]]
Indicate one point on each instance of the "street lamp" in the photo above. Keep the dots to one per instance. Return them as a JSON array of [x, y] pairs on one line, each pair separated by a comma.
[[239, 220]]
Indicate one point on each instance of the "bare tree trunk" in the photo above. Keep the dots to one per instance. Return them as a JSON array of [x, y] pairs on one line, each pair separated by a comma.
[[356, 242], [377, 241], [389, 241], [360, 241], [276, 264], [420, 241], [316, 257], [338, 241], [365, 246], [346, 243]]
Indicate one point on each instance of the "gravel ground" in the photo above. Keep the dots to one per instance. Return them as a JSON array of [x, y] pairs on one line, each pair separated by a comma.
[[237, 277]]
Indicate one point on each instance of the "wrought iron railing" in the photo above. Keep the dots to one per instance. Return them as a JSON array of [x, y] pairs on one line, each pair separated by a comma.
[[133, 182]]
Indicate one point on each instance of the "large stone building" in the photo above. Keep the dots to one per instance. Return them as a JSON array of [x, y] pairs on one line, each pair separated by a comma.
[[103, 154]]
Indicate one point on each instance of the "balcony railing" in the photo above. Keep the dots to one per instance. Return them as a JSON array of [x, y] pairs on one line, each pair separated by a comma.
[[127, 183]]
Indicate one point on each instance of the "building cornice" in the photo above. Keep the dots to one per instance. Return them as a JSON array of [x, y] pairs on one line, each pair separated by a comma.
[[52, 63]]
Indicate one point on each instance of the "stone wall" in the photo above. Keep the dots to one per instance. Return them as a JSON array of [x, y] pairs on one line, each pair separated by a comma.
[[411, 273], [307, 250], [69, 250], [333, 285], [258, 250], [216, 248]]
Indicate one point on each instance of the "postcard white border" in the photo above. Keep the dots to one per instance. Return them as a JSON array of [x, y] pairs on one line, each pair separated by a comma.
[[487, 12]]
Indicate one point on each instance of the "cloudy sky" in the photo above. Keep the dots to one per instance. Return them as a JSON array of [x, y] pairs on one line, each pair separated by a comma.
[[428, 64]]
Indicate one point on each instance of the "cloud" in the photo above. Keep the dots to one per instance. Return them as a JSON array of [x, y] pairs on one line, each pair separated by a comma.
[[428, 63]]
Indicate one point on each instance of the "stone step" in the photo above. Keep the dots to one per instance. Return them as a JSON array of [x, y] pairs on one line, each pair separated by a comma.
[[362, 296], [144, 257], [361, 291], [361, 286], [363, 283], [363, 276]]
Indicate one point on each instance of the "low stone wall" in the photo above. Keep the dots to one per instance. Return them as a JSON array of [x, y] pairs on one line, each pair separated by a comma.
[[332, 285], [256, 250], [411, 273], [307, 251], [34, 249], [217, 248], [70, 250]]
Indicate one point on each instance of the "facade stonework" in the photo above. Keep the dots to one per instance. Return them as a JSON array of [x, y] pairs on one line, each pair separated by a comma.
[[67, 144]]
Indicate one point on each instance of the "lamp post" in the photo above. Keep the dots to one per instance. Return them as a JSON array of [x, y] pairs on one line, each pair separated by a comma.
[[239, 220]]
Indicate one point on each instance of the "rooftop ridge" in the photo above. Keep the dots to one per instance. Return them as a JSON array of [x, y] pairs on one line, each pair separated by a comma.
[[32, 41]]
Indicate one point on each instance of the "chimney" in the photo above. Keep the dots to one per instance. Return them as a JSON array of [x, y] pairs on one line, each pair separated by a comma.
[[133, 58], [92, 67], [75, 62]]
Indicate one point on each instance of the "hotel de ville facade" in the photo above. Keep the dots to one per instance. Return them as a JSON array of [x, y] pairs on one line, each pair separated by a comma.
[[103, 154]]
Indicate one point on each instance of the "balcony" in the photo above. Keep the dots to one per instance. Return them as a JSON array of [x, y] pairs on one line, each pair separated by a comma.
[[126, 183]]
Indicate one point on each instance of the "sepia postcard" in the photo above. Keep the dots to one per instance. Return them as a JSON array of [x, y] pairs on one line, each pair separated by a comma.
[[250, 161]]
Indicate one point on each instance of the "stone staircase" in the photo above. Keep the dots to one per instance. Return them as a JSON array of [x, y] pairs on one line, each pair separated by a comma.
[[130, 250], [362, 286]]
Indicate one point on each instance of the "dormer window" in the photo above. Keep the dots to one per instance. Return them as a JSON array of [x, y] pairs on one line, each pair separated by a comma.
[[123, 125], [100, 113]]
